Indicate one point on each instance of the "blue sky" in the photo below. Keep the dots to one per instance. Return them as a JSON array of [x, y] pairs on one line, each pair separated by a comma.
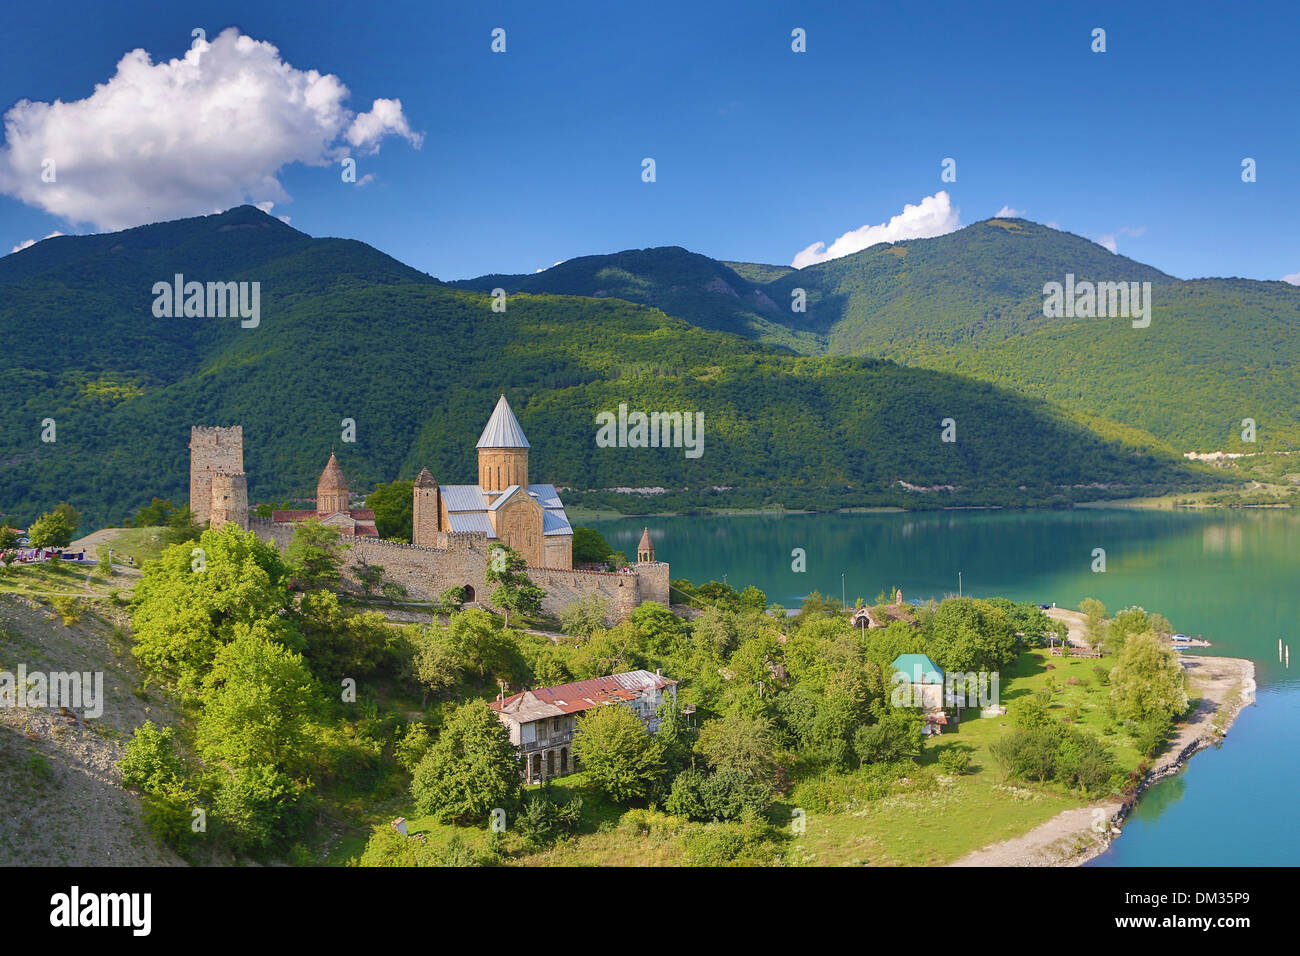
[[534, 155]]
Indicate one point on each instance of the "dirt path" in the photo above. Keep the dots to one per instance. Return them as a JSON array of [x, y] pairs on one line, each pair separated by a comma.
[[1058, 842]]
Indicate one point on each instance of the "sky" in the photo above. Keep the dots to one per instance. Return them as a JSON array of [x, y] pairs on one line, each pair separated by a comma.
[[470, 161]]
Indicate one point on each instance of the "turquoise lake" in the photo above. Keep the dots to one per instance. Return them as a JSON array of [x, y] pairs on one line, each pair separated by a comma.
[[1233, 577]]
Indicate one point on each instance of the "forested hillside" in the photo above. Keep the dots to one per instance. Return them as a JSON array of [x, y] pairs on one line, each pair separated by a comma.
[[347, 332], [1216, 350]]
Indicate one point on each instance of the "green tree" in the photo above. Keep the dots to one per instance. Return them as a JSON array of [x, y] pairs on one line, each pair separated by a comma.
[[259, 704], [434, 662], [585, 616], [339, 643], [617, 753], [255, 805], [514, 592], [8, 538], [54, 529], [896, 736], [1148, 680], [590, 546], [479, 641], [190, 600], [150, 762], [1094, 614], [471, 769], [718, 796], [154, 514], [315, 555], [181, 527], [739, 742], [969, 634], [393, 506]]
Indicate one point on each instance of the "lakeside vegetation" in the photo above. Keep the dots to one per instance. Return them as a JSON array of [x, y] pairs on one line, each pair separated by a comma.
[[794, 753]]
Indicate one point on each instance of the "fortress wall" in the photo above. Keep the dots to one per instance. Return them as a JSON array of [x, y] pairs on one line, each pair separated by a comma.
[[654, 579], [425, 572], [563, 587], [462, 559]]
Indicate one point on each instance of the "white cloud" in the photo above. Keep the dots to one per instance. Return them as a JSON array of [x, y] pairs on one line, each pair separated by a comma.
[[933, 216], [1110, 239], [31, 242], [187, 137], [1293, 278], [1006, 212]]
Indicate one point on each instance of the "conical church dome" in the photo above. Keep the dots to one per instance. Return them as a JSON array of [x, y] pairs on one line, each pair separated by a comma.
[[502, 430], [331, 479], [332, 489]]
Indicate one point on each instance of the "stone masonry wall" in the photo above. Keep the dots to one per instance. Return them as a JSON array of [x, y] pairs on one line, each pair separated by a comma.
[[461, 559], [212, 450]]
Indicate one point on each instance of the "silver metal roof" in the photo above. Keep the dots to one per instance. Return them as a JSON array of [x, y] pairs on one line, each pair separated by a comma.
[[502, 429], [546, 495], [505, 496], [463, 498], [471, 521], [555, 521]]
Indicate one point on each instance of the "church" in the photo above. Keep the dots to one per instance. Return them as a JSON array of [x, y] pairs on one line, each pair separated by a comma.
[[332, 506], [503, 505]]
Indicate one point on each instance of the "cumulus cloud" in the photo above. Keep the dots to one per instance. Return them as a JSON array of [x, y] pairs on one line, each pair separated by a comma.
[[186, 137], [933, 216], [1006, 212], [1293, 278], [31, 242], [1110, 240]]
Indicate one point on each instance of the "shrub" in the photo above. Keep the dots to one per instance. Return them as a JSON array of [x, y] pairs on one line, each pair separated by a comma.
[[954, 760], [897, 736], [543, 819], [722, 795]]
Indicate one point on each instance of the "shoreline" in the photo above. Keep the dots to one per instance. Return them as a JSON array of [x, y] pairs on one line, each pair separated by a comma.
[[1078, 835]]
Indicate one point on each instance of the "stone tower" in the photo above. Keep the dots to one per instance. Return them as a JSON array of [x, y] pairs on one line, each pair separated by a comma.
[[426, 511], [331, 489], [229, 500], [645, 551], [213, 451], [502, 451]]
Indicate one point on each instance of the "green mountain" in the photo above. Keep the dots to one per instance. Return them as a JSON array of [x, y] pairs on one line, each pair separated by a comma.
[[347, 332], [705, 292], [1217, 350]]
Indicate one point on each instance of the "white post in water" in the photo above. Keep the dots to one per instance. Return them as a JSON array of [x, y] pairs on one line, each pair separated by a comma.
[[1279, 650]]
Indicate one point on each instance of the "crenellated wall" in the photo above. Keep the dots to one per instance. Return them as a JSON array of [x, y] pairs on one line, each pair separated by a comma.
[[460, 559]]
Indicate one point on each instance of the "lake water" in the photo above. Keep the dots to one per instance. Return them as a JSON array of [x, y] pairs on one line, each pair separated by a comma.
[[1233, 577]]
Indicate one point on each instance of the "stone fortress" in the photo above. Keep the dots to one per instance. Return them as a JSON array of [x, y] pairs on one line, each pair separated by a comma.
[[453, 526]]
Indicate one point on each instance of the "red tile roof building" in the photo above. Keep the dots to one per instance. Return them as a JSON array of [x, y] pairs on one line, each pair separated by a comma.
[[542, 721]]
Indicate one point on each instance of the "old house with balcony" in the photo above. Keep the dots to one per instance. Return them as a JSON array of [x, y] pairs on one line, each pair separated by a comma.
[[542, 721]]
